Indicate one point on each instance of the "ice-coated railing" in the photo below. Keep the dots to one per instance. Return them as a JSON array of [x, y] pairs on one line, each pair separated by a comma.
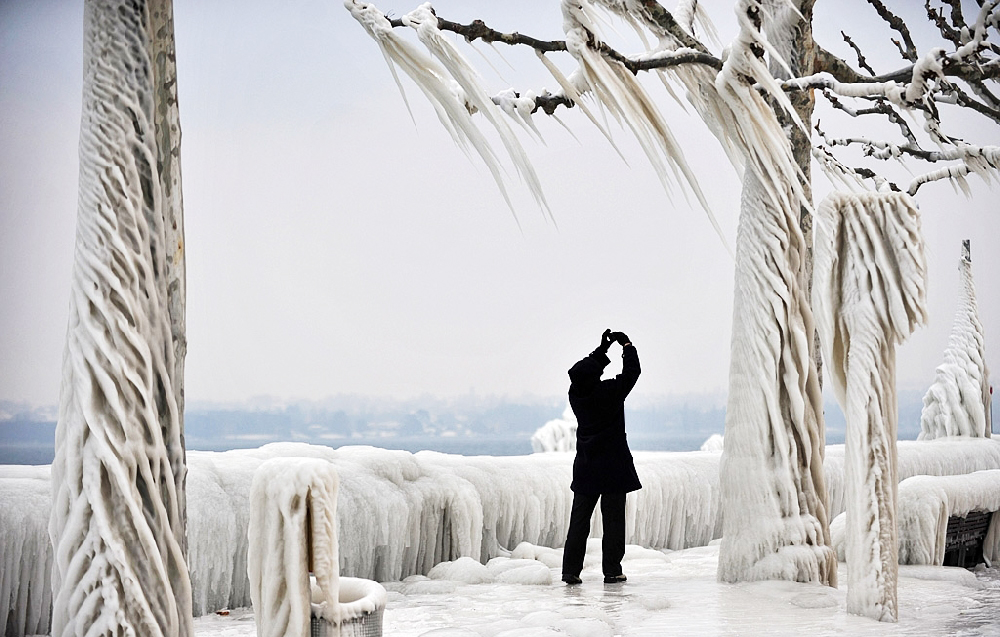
[[399, 513]]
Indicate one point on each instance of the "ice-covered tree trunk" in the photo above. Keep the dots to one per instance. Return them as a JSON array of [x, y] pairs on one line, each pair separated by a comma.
[[789, 29], [773, 491], [117, 523], [771, 473], [869, 295], [958, 403]]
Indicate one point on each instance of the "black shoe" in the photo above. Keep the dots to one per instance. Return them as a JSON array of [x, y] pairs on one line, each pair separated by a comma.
[[614, 579], [572, 580]]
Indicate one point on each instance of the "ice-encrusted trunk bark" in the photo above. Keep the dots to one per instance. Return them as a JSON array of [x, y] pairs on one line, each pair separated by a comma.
[[869, 296], [958, 403], [168, 165], [773, 490], [117, 522]]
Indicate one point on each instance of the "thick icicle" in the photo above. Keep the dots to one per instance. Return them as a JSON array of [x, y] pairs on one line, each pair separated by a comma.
[[117, 520], [617, 90], [958, 403], [869, 295], [454, 108]]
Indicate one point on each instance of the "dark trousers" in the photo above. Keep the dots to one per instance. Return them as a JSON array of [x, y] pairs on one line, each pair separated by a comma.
[[613, 544]]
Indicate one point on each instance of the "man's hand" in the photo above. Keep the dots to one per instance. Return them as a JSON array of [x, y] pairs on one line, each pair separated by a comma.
[[622, 339], [606, 339]]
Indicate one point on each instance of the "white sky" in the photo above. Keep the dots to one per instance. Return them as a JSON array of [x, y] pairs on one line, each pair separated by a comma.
[[334, 247]]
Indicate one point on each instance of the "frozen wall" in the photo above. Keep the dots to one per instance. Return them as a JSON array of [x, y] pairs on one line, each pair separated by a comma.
[[400, 514], [958, 403], [117, 479], [25, 550], [869, 295]]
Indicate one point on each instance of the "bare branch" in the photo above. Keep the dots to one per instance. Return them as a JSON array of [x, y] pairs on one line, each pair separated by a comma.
[[898, 25], [957, 19], [862, 62], [478, 30], [947, 32]]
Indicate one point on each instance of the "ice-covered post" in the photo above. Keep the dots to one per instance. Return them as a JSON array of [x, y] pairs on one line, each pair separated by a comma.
[[868, 295], [293, 530], [117, 522], [958, 403]]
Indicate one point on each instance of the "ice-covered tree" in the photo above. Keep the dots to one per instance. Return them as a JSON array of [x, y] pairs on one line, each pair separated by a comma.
[[869, 295], [118, 511], [958, 403], [757, 96]]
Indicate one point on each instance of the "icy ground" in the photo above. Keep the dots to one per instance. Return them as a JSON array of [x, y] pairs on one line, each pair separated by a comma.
[[668, 593]]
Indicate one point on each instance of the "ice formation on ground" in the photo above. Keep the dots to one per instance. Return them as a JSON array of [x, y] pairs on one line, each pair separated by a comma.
[[556, 435], [869, 295], [292, 532], [117, 515], [667, 593], [400, 514], [958, 403]]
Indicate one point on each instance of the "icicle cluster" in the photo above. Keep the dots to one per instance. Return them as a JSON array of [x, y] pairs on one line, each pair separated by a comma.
[[292, 532], [958, 403], [619, 93], [869, 295], [451, 85], [117, 479]]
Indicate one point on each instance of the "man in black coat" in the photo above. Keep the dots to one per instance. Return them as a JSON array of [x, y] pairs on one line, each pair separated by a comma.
[[603, 468]]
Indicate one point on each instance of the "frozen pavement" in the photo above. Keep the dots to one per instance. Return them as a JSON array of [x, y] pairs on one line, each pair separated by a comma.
[[671, 592]]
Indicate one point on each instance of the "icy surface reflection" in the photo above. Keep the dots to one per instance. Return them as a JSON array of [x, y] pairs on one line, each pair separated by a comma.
[[671, 592]]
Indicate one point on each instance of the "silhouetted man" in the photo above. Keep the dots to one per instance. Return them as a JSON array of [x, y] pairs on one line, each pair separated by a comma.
[[603, 468]]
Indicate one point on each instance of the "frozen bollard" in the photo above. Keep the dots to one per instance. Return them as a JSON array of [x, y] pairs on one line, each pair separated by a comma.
[[361, 603], [292, 559]]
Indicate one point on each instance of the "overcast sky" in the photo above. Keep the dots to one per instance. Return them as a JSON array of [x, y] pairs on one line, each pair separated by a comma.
[[335, 246]]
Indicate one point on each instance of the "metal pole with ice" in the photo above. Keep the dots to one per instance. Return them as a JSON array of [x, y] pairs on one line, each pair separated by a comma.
[[292, 560]]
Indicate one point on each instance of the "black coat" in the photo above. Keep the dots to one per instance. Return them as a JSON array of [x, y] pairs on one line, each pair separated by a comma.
[[603, 461]]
